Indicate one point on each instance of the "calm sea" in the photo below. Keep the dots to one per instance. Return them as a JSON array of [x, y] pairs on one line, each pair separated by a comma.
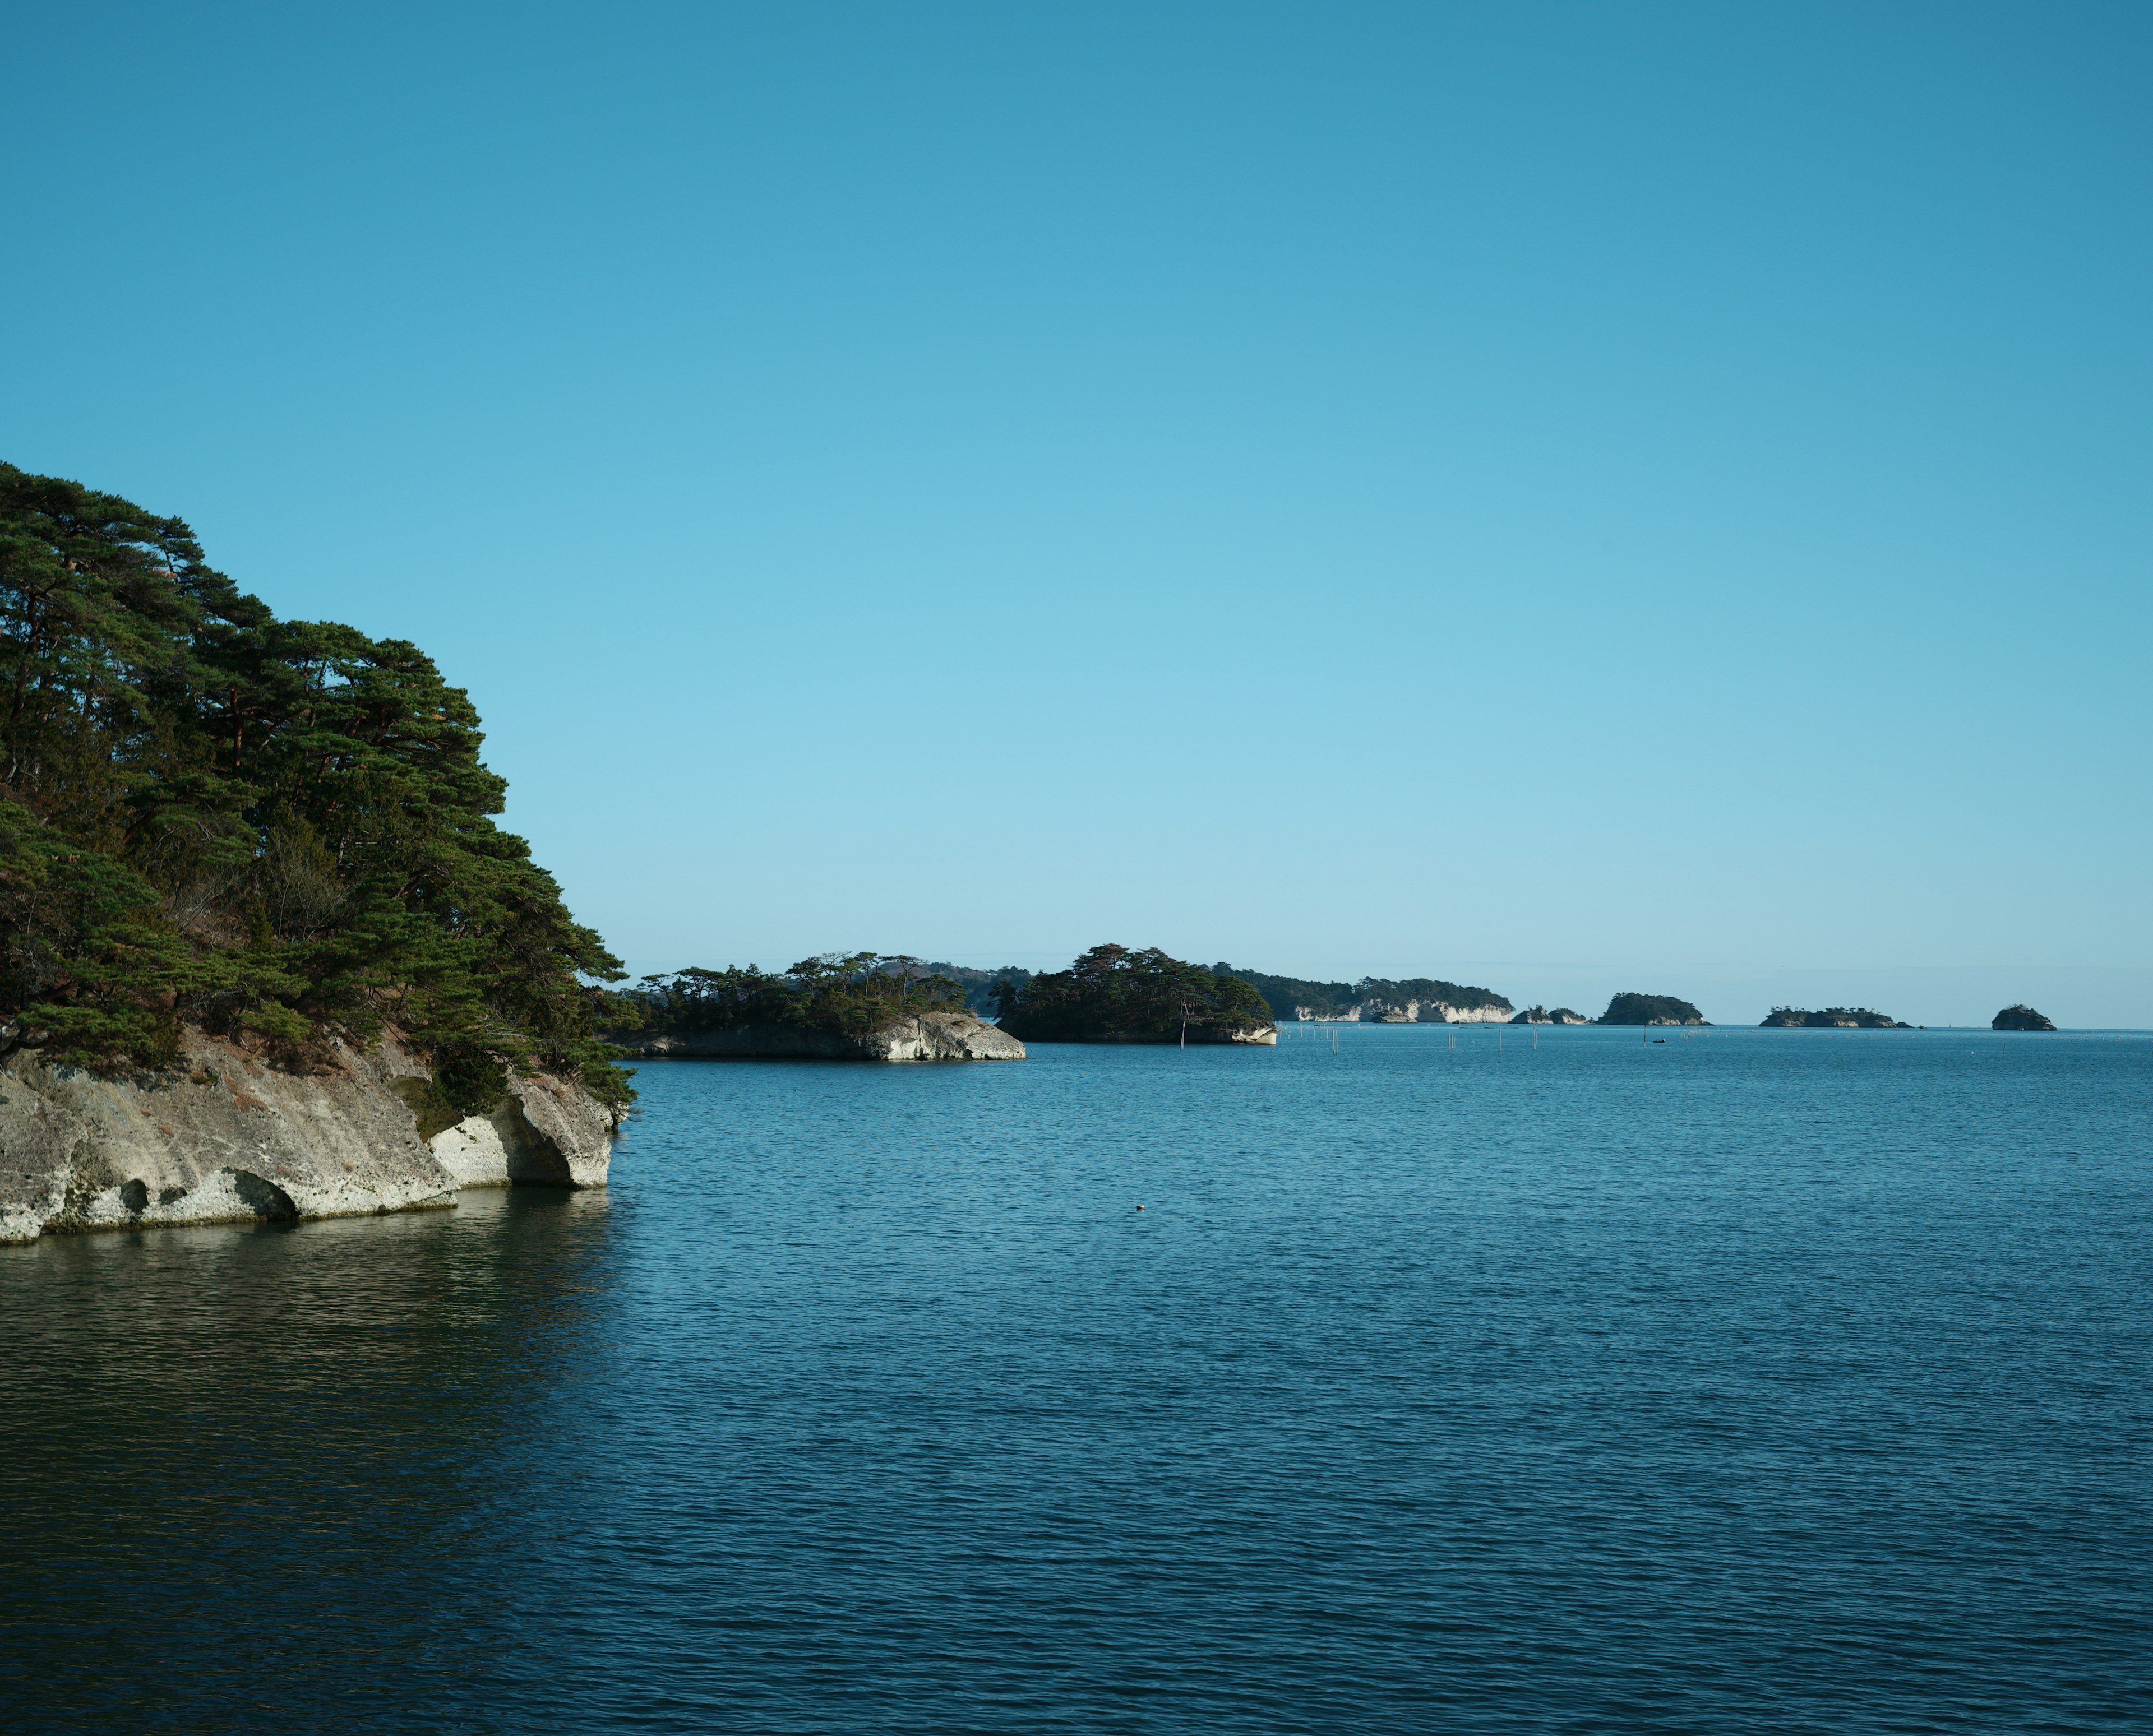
[[1773, 1381]]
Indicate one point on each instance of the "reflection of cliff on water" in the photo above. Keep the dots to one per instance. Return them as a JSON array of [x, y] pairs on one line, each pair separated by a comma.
[[282, 1464]]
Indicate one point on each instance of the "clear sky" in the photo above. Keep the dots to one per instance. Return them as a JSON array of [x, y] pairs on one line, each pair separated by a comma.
[[1567, 497]]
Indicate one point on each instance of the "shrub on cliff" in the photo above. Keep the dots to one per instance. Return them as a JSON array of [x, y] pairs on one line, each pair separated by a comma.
[[268, 829], [1112, 993]]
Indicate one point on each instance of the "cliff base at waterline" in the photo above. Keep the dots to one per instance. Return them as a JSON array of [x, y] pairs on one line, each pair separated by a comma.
[[226, 1137]]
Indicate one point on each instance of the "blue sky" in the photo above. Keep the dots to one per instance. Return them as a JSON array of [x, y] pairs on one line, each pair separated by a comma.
[[1567, 497]]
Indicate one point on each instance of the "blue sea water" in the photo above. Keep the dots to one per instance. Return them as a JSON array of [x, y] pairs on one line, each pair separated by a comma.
[[1786, 1382]]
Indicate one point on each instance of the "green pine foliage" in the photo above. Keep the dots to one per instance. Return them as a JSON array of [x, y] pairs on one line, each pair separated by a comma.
[[273, 829], [850, 994], [1111, 991]]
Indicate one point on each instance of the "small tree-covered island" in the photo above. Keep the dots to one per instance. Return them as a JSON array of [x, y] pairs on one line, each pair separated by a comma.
[[2020, 1018], [1636, 1009], [836, 1006], [264, 951], [1114, 995], [1830, 1018]]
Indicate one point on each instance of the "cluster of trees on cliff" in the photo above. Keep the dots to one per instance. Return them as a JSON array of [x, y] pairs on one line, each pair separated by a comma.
[[273, 830], [850, 993], [1375, 995], [1112, 991]]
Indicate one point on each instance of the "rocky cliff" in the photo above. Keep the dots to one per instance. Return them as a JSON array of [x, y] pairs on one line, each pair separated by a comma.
[[923, 1037], [224, 1136]]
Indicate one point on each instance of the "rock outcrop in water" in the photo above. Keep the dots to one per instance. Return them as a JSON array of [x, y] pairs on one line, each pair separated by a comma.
[[2020, 1018], [1550, 1015], [938, 1036], [226, 1137]]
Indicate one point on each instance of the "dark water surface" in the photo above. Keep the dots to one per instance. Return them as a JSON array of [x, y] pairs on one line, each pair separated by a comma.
[[1760, 1382]]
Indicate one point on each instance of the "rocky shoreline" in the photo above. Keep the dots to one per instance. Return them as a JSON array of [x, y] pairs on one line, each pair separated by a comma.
[[225, 1137]]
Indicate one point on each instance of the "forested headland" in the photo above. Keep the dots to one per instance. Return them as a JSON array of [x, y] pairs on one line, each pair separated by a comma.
[[279, 831]]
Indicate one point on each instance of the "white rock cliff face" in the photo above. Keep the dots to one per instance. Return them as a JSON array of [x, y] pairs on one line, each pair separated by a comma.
[[225, 1137], [926, 1036]]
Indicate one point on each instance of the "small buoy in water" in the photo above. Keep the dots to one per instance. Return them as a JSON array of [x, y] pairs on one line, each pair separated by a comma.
[[1139, 1208]]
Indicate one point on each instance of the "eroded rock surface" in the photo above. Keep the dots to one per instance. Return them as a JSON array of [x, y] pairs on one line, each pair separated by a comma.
[[224, 1136]]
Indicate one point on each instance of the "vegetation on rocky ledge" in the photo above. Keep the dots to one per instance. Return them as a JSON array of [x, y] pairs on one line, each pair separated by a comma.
[[1113, 994], [279, 831]]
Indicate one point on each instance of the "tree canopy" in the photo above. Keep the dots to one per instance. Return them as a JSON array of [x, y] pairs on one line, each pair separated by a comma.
[[1113, 991], [273, 830]]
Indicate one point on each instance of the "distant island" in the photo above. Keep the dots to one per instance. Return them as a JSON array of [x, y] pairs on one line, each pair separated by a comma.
[[1378, 1000], [1831, 1018], [1550, 1015], [1636, 1009], [979, 985], [1113, 994], [835, 1007], [2020, 1018]]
